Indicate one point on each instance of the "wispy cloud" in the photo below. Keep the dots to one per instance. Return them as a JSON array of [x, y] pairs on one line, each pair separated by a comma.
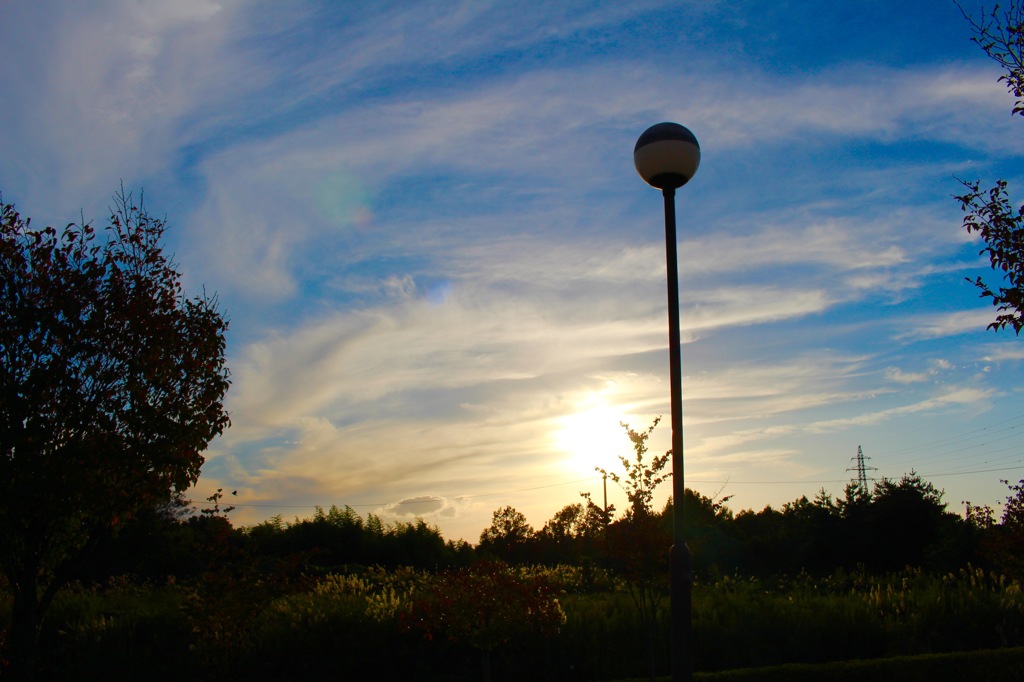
[[950, 398], [1004, 353], [901, 377], [123, 84], [946, 324]]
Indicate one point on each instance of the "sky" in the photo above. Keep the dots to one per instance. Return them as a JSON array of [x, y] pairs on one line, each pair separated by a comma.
[[446, 281]]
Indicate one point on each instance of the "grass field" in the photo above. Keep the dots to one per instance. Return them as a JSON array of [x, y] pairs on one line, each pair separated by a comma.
[[906, 626]]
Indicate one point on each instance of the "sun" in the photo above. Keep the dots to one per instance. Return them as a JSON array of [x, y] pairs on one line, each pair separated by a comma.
[[592, 436]]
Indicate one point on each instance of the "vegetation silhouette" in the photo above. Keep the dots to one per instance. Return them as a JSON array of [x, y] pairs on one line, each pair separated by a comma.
[[351, 596], [990, 214], [112, 385]]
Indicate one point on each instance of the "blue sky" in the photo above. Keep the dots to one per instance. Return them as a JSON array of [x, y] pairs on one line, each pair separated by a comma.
[[446, 281]]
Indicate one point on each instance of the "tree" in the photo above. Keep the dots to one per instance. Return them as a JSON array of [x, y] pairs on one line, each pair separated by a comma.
[[156, 543], [639, 542], [904, 523], [508, 536], [1001, 36], [596, 519], [989, 212], [705, 521], [560, 539], [1002, 229], [566, 524], [641, 478], [111, 387], [1003, 543], [814, 534], [572, 535]]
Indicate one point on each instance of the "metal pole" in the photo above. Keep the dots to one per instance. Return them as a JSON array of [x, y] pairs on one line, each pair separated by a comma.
[[681, 578], [604, 483]]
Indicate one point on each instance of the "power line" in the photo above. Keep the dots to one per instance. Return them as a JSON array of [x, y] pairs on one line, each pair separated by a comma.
[[402, 502], [976, 471], [954, 440], [957, 456]]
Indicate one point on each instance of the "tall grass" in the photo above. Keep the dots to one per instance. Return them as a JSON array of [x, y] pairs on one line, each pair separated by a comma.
[[120, 630], [740, 623], [350, 627]]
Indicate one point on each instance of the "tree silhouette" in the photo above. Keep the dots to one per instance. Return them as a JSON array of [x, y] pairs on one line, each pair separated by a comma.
[[641, 477], [509, 536], [1003, 543], [1000, 33], [905, 519], [111, 387], [638, 544]]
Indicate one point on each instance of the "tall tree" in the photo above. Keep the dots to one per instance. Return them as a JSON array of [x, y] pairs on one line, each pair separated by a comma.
[[566, 524], [904, 523], [572, 533], [111, 386], [509, 535], [1000, 33]]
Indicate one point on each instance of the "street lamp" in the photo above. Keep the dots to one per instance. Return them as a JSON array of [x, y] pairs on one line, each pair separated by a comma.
[[667, 156]]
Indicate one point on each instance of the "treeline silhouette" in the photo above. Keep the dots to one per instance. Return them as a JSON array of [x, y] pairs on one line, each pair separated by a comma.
[[896, 524], [168, 542]]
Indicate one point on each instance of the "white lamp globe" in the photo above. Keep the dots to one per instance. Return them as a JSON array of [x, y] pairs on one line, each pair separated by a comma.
[[667, 155]]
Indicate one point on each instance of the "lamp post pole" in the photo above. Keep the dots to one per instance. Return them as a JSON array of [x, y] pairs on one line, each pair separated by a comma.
[[666, 156], [681, 576]]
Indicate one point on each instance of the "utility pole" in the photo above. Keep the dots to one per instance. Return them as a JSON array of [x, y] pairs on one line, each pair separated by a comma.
[[604, 482]]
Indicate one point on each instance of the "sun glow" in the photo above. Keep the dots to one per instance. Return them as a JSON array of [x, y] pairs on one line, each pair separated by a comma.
[[592, 436]]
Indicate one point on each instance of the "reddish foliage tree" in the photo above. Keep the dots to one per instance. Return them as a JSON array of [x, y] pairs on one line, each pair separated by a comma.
[[111, 386]]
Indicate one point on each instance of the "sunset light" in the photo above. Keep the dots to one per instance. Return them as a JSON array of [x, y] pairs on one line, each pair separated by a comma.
[[592, 437], [371, 340], [446, 283]]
